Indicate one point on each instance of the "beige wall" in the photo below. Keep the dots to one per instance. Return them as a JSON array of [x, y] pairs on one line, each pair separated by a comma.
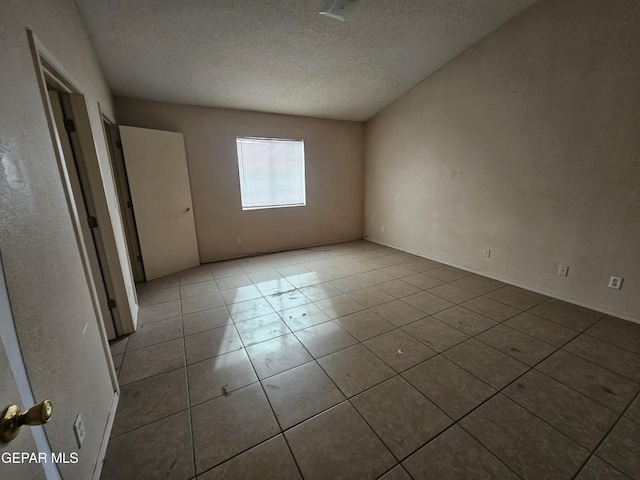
[[333, 154], [49, 295], [528, 144]]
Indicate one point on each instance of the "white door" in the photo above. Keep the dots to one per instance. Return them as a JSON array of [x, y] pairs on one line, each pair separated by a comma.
[[15, 389], [161, 195]]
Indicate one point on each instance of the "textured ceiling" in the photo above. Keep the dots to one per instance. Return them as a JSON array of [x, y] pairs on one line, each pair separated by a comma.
[[281, 56]]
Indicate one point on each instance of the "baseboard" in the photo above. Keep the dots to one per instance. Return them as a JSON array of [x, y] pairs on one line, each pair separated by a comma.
[[105, 438], [512, 282]]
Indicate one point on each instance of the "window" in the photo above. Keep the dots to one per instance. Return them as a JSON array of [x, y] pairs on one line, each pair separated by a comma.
[[271, 172]]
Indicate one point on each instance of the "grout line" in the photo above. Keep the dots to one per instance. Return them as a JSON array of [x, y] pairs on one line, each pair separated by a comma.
[[354, 250]]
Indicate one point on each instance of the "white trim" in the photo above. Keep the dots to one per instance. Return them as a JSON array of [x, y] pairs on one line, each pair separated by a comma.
[[66, 82], [102, 453]]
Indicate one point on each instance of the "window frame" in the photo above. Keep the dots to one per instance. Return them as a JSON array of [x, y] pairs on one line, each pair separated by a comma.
[[241, 175]]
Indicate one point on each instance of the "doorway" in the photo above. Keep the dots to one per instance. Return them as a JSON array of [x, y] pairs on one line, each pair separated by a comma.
[[114, 145], [83, 199]]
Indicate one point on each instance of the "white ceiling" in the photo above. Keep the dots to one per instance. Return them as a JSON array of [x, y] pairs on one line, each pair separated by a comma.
[[280, 56]]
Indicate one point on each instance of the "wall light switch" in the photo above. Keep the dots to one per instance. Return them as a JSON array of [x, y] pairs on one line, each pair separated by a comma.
[[563, 270], [487, 253]]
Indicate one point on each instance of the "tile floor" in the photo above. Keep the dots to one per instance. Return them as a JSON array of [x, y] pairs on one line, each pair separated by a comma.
[[359, 361]]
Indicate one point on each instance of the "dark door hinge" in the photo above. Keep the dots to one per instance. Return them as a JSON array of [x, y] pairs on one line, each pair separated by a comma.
[[118, 144], [139, 258], [69, 125], [129, 204], [93, 222], [112, 304]]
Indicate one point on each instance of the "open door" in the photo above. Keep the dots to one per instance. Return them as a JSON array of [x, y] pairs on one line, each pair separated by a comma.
[[124, 199], [159, 182]]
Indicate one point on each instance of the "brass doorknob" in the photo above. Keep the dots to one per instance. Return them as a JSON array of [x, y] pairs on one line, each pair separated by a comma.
[[12, 419], [188, 209]]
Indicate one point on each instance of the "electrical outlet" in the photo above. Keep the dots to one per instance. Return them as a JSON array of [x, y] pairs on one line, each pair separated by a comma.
[[382, 228], [78, 428], [615, 282], [238, 240], [487, 253], [563, 270]]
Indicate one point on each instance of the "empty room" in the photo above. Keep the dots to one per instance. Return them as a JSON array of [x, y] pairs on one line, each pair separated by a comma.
[[320, 239]]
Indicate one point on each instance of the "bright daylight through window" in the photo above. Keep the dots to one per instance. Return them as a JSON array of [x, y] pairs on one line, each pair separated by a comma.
[[271, 172]]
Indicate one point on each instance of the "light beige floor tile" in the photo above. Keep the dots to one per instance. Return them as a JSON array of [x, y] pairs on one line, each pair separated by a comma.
[[320, 291], [516, 344], [456, 455], [435, 334], [398, 288], [401, 416], [277, 355], [286, 300], [300, 393], [167, 393], [465, 320], [249, 309], [577, 416], [228, 425], [196, 289], [153, 297], [447, 274], [422, 281], [427, 302], [399, 350], [569, 317], [452, 293], [398, 313], [219, 376], [355, 369], [620, 332], [338, 444], [600, 384], [202, 302], [478, 284], [159, 311], [452, 388], [262, 328], [607, 355], [240, 294], [339, 306], [496, 311], [206, 320], [198, 274], [364, 325], [211, 343], [155, 332], [485, 362], [516, 297], [325, 338], [137, 451], [598, 469], [270, 460], [542, 329], [531, 447], [233, 281], [304, 316], [370, 296], [148, 361]]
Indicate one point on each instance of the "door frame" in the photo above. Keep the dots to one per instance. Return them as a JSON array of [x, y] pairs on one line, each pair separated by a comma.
[[48, 69], [112, 135], [83, 198]]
